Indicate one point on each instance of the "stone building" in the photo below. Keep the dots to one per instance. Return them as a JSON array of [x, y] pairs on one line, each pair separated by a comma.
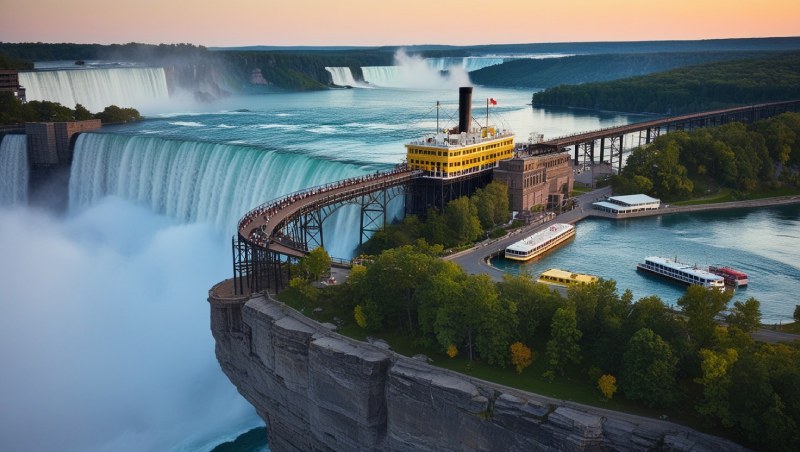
[[51, 143], [532, 180], [9, 82]]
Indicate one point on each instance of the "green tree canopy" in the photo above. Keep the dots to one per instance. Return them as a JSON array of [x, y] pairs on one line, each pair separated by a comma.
[[648, 369]]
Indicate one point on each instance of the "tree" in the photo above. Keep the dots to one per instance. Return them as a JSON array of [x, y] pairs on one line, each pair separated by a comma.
[[113, 114], [701, 307], [797, 313], [521, 356], [82, 113], [648, 369], [536, 304], [398, 272], [361, 318], [607, 384], [315, 263], [746, 316], [461, 219], [563, 348], [492, 205]]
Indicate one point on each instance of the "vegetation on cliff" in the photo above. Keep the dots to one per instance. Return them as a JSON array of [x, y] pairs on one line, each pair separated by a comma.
[[735, 157], [683, 363], [12, 112], [688, 89]]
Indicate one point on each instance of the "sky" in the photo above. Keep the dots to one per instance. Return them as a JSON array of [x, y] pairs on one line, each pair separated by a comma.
[[391, 22]]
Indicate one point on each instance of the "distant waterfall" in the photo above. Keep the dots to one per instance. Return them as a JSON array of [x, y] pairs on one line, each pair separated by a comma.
[[342, 76], [96, 89], [14, 170], [469, 64], [388, 76], [203, 182]]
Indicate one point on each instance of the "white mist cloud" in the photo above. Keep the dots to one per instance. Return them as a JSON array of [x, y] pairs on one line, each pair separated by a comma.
[[412, 71], [104, 337]]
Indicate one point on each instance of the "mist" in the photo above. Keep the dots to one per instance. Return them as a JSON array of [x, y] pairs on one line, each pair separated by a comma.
[[105, 334]]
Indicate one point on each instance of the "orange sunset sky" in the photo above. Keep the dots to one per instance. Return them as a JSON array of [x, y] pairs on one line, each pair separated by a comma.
[[390, 22]]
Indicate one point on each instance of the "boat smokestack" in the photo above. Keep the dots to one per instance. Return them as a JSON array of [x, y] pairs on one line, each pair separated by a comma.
[[464, 108]]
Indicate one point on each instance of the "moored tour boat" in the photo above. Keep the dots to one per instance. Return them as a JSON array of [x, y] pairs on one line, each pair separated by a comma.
[[733, 278], [685, 273], [540, 243], [564, 278]]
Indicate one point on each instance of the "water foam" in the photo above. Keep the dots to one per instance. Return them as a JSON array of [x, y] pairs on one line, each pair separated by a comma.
[[198, 182]]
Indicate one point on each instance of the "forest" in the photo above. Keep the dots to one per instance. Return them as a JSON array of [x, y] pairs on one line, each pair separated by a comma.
[[736, 157], [577, 69], [685, 362], [690, 89]]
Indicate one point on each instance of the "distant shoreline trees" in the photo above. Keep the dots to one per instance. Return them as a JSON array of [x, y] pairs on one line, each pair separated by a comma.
[[689, 89], [13, 111]]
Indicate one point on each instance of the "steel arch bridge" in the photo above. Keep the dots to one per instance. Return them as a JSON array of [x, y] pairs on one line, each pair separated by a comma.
[[277, 233]]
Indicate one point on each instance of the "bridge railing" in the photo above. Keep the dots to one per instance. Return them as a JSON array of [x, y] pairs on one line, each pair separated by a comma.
[[293, 196], [361, 185]]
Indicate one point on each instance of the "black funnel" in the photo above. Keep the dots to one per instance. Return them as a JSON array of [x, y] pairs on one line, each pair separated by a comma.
[[464, 108]]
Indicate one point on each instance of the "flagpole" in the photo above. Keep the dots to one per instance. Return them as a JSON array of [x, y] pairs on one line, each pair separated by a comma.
[[487, 115]]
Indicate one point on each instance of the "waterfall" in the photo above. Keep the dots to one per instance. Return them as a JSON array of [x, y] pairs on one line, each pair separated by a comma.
[[203, 182], [342, 76], [96, 89], [469, 64], [14, 170], [386, 76]]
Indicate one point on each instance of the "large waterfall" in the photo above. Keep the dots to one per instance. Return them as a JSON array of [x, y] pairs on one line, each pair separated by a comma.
[[96, 89], [14, 170], [202, 182]]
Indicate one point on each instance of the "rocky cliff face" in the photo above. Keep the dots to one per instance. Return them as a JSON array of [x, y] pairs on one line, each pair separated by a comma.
[[320, 391]]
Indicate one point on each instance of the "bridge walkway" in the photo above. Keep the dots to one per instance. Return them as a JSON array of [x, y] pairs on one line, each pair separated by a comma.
[[263, 225]]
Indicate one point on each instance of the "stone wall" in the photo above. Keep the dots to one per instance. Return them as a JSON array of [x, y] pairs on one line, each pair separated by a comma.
[[318, 390]]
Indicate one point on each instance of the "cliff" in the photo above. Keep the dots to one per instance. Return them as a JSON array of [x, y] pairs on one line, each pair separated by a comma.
[[318, 390]]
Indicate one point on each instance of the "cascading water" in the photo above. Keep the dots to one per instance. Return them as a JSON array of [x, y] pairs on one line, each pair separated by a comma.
[[342, 76], [96, 89], [14, 170], [200, 182], [469, 64]]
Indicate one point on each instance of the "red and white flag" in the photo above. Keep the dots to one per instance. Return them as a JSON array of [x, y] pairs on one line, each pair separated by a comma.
[[492, 101]]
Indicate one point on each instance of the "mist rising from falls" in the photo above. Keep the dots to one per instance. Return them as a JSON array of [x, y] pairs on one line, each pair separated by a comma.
[[104, 332], [468, 64], [198, 182], [14, 170], [96, 89], [414, 72]]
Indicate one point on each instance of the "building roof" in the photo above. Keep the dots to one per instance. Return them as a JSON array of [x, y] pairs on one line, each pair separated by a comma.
[[633, 200]]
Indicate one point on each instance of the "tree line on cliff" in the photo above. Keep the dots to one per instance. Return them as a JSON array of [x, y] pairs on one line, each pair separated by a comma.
[[689, 89], [592, 336]]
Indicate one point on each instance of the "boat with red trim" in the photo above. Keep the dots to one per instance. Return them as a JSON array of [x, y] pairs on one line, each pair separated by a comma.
[[733, 278]]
